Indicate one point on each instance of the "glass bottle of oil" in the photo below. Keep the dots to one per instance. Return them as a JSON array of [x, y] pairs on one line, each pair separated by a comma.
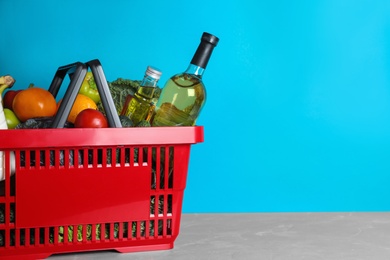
[[184, 94], [141, 103]]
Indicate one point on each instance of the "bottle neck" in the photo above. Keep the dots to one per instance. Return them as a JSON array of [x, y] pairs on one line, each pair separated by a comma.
[[195, 70], [147, 88], [149, 81], [202, 54]]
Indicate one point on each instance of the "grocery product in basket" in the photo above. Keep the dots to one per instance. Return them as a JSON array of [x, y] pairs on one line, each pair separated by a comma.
[[120, 89], [91, 118], [184, 95], [5, 82], [125, 121], [89, 88], [8, 98], [140, 104], [11, 118], [40, 123], [3, 125], [34, 102], [81, 102], [3, 122]]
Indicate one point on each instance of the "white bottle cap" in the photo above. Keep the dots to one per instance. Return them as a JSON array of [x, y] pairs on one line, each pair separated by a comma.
[[153, 72]]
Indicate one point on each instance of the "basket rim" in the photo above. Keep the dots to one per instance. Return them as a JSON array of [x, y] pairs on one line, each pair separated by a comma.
[[78, 137]]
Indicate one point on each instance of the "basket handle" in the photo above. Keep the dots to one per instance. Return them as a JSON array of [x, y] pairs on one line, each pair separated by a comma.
[[77, 72], [105, 94]]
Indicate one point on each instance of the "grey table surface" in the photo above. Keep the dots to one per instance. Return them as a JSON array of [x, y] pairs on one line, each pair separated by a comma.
[[271, 236]]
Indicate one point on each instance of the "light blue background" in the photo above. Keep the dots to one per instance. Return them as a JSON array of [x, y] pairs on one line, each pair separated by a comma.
[[298, 109]]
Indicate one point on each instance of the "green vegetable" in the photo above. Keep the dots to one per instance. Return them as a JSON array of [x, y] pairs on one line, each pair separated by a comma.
[[144, 123], [99, 228], [125, 121], [40, 122], [2, 214], [89, 88], [121, 88]]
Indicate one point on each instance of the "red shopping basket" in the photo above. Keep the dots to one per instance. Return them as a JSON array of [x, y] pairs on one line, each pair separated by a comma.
[[74, 190], [71, 190]]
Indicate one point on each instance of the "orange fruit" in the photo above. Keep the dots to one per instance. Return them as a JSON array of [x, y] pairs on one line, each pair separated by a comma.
[[34, 102], [81, 102]]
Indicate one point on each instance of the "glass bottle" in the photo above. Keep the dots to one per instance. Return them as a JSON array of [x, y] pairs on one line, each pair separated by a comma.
[[141, 103], [184, 94]]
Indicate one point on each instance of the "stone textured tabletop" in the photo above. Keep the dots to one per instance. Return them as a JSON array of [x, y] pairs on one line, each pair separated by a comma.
[[271, 236]]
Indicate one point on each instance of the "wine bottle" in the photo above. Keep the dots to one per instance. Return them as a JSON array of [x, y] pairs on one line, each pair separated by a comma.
[[141, 103], [184, 94]]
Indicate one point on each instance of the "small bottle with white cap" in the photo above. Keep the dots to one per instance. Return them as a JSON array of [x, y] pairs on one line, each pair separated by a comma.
[[141, 103]]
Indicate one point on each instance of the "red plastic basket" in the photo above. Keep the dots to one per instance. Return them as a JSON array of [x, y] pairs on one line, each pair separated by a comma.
[[76, 190]]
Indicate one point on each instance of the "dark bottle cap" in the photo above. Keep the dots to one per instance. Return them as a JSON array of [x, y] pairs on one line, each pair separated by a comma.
[[210, 38], [205, 48]]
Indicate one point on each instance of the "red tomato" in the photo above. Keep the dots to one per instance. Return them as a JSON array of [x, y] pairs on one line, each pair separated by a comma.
[[90, 118]]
